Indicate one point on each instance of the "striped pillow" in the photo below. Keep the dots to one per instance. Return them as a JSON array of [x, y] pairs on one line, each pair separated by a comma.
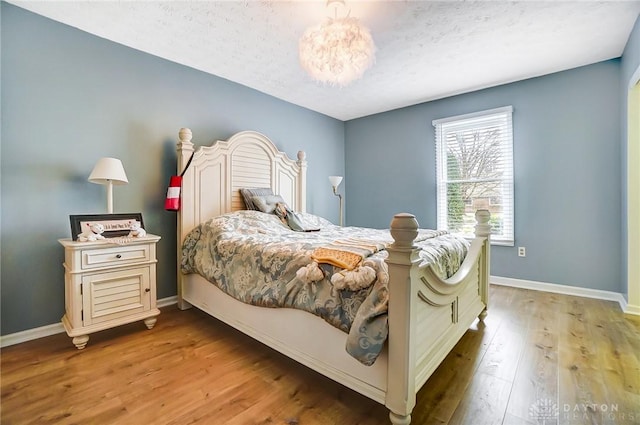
[[249, 193]]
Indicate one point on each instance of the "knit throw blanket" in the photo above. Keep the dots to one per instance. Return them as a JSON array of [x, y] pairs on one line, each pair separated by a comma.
[[347, 253]]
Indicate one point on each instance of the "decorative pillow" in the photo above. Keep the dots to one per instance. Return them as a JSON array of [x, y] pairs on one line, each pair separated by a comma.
[[248, 193], [267, 203]]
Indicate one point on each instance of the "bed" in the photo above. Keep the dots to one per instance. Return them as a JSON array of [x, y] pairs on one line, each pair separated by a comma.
[[426, 314]]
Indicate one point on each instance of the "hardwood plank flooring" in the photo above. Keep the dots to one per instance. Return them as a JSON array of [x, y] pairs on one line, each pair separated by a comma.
[[538, 358]]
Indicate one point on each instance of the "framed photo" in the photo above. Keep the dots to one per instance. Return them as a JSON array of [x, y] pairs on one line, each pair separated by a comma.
[[114, 224]]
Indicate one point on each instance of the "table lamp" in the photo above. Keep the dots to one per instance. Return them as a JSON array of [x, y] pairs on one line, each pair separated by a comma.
[[109, 171]]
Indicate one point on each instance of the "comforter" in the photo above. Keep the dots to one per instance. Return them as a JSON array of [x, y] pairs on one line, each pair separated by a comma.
[[257, 259]]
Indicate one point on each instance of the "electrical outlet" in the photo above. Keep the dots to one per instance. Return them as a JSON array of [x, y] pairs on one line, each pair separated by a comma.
[[522, 251]]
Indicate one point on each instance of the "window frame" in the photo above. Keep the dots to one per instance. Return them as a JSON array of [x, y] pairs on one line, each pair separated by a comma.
[[507, 238]]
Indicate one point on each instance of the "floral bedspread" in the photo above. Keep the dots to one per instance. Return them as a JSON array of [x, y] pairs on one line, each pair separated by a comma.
[[258, 260]]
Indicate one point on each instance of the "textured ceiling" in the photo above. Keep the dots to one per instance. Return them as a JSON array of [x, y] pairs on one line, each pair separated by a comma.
[[425, 49]]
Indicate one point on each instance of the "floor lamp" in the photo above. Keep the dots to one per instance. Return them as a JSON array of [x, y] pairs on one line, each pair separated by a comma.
[[335, 182]]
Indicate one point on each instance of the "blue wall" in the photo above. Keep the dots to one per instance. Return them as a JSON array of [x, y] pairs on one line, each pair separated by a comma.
[[567, 154], [69, 98]]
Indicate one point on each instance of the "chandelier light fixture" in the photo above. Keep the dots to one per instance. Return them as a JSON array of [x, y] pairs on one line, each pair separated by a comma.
[[338, 51]]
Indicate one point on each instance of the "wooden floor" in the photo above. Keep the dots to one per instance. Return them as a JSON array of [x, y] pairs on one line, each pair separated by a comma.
[[539, 358]]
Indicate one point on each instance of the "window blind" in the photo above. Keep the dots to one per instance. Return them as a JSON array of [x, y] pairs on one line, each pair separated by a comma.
[[474, 161]]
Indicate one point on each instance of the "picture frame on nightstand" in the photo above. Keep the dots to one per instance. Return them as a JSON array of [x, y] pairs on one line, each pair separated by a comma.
[[115, 225]]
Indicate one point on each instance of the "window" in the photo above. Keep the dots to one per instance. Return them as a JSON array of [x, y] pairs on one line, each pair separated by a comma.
[[474, 161]]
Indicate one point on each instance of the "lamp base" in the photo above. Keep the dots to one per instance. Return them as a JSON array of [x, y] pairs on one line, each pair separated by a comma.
[[110, 197]]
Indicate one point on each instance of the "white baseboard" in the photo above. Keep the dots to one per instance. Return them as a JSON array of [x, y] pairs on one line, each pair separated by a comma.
[[29, 334], [165, 302], [567, 290], [632, 309], [56, 328]]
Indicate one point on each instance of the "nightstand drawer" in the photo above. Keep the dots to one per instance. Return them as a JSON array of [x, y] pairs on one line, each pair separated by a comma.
[[96, 258]]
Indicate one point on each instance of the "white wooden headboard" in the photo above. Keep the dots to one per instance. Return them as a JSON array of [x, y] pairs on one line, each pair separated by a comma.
[[211, 184]]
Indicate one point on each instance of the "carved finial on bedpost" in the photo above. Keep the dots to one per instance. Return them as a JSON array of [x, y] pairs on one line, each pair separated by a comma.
[[185, 148], [404, 229], [185, 135], [483, 228]]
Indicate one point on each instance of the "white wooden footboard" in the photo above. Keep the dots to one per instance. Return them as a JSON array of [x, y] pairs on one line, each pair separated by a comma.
[[428, 315]]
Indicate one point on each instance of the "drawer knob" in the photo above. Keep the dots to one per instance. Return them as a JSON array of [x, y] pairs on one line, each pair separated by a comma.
[[147, 289], [118, 255]]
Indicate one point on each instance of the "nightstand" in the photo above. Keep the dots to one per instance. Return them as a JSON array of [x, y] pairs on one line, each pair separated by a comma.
[[108, 284]]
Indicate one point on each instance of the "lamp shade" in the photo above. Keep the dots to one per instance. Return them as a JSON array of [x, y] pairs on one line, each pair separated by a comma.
[[108, 170], [335, 180]]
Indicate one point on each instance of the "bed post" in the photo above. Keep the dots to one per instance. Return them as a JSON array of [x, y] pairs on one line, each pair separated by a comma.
[[483, 230], [401, 386], [302, 182], [185, 150]]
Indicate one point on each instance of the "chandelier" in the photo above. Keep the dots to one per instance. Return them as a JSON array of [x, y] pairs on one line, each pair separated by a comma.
[[337, 51]]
